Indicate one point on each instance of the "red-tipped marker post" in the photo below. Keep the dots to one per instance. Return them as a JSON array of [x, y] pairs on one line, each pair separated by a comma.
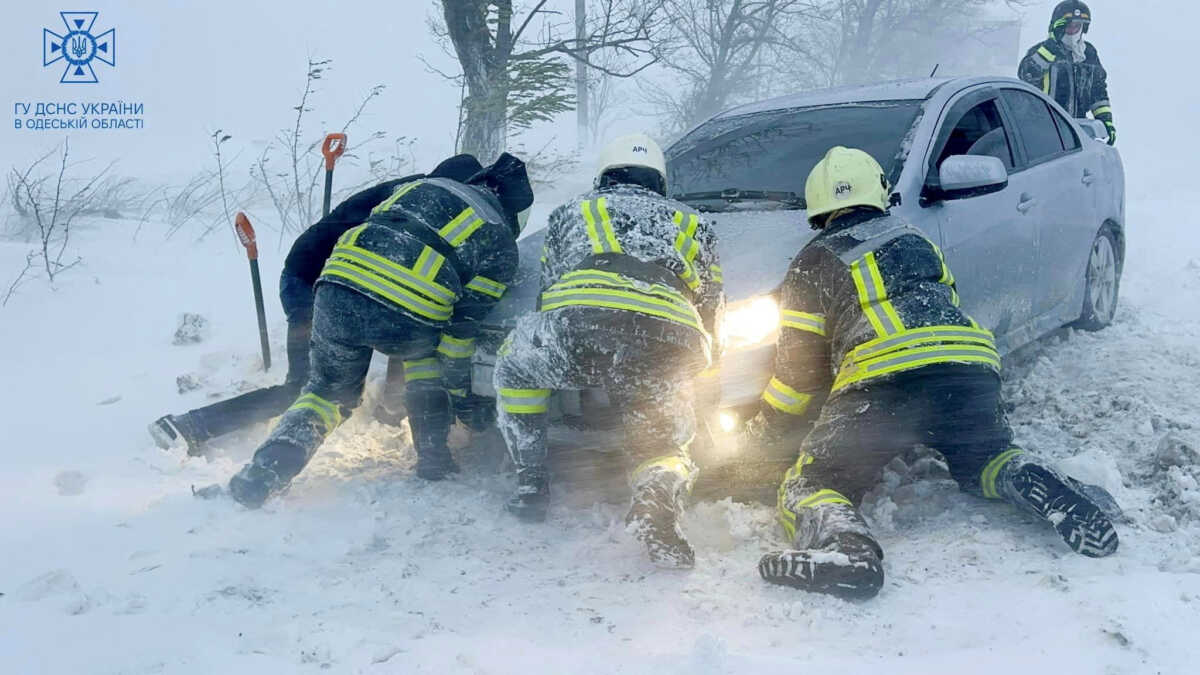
[[245, 233], [332, 148]]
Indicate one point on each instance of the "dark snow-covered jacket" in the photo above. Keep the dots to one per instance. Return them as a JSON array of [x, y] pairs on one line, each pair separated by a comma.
[[441, 252], [1079, 88], [312, 248], [639, 235], [867, 298]]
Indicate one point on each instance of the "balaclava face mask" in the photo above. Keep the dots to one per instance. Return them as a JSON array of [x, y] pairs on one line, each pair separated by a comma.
[[1075, 44]]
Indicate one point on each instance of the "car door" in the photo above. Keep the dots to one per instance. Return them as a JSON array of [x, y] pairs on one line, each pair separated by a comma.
[[988, 240], [1064, 207]]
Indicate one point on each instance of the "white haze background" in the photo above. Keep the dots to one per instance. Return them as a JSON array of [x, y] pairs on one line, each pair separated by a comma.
[[239, 66]]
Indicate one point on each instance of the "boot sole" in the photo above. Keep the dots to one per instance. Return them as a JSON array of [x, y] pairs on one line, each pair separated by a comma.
[[850, 577], [164, 439], [1080, 522], [528, 513]]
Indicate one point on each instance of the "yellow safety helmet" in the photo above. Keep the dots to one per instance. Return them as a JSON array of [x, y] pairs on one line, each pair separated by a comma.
[[845, 177]]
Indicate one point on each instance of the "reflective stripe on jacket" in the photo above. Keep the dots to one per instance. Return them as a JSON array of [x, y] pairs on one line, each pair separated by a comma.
[[597, 288], [647, 229], [869, 298], [1079, 88]]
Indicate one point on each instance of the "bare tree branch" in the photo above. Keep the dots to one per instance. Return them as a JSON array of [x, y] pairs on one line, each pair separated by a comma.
[[29, 258]]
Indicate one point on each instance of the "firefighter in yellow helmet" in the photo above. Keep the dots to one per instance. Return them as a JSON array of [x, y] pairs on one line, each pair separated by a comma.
[[874, 346], [631, 297]]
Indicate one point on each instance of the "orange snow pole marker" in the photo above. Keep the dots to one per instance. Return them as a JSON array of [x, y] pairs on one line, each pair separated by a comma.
[[332, 148], [245, 233]]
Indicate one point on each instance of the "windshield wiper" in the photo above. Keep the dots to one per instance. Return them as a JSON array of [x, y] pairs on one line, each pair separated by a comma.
[[787, 198]]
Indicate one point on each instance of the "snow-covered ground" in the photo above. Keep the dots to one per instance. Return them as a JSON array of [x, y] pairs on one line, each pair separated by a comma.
[[109, 565]]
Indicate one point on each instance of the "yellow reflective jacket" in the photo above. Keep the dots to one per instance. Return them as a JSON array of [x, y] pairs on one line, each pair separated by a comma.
[[869, 298]]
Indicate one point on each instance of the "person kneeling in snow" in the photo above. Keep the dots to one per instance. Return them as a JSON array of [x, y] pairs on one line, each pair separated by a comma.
[[411, 282], [631, 296], [871, 327], [296, 288]]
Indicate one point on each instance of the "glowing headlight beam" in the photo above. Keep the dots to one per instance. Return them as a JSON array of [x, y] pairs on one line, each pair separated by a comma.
[[751, 322]]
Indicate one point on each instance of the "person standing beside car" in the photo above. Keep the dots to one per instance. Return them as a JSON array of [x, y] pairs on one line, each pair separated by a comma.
[[1067, 67], [631, 299]]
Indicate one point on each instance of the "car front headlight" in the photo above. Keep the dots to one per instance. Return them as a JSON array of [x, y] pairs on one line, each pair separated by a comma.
[[727, 421], [752, 322]]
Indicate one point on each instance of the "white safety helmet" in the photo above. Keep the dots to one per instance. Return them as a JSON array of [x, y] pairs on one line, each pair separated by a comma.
[[635, 151]]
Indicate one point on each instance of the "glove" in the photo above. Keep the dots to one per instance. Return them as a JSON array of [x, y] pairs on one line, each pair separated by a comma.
[[1112, 132], [757, 432], [477, 413], [389, 416]]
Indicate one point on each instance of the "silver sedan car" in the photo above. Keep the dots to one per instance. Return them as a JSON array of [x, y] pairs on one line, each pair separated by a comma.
[[1027, 204]]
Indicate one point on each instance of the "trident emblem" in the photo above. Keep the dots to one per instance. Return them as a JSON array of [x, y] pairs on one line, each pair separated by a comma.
[[79, 47]]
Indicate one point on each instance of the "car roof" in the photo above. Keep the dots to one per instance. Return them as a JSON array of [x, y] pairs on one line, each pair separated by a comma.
[[898, 90]]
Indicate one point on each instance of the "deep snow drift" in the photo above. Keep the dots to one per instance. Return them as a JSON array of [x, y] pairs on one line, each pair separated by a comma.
[[110, 565]]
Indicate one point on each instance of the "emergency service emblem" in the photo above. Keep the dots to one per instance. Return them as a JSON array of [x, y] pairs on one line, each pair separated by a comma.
[[79, 47]]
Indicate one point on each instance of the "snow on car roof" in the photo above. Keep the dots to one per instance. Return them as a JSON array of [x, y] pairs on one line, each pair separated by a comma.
[[898, 90]]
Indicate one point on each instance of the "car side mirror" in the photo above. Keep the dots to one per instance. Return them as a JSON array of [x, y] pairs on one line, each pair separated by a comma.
[[963, 176], [1094, 128]]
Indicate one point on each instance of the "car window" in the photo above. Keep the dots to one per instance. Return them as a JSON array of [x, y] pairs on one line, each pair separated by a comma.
[[1038, 128], [979, 131], [777, 151], [1066, 134]]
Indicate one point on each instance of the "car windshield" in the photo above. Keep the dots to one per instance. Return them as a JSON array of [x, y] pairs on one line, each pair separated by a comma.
[[756, 161]]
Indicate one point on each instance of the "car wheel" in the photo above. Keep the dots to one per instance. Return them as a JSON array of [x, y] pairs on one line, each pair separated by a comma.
[[1102, 282]]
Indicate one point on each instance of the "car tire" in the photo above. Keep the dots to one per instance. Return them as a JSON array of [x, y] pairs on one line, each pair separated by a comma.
[[1102, 282]]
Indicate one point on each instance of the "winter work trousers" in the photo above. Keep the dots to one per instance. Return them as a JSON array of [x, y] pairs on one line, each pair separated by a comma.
[[347, 328], [952, 408], [260, 405], [646, 365]]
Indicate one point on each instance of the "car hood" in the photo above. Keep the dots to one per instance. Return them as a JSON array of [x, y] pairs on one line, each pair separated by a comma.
[[755, 248]]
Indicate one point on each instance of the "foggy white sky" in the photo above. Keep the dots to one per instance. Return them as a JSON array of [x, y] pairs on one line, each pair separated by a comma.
[[240, 66]]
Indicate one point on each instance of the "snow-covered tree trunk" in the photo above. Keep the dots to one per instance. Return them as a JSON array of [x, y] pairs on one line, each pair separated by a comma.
[[582, 104], [484, 129], [485, 68], [515, 68]]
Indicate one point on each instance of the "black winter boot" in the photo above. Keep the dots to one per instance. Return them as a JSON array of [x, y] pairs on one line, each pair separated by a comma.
[[178, 431], [654, 519], [391, 409], [532, 499], [269, 473], [435, 463], [1063, 502], [835, 555], [850, 567]]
